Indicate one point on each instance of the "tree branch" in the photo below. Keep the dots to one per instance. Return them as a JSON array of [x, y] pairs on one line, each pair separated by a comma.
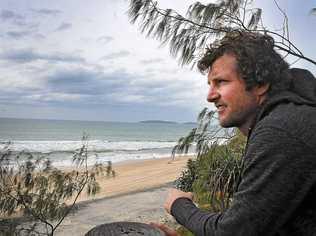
[[227, 19]]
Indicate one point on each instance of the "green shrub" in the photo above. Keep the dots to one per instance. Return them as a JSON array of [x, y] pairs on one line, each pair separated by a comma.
[[215, 173], [32, 186], [188, 176]]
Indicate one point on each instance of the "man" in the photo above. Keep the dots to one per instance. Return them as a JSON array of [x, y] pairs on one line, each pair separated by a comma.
[[254, 90]]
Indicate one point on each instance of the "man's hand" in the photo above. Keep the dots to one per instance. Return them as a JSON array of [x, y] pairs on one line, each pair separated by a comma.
[[173, 195], [168, 231]]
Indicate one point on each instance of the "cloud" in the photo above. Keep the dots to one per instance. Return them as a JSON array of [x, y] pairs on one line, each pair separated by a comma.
[[40, 97], [105, 39], [54, 97], [23, 29], [18, 34], [7, 15], [115, 55], [16, 19], [29, 55], [46, 11], [13, 18], [152, 61], [39, 36], [96, 87], [89, 87], [86, 81], [63, 26], [127, 98]]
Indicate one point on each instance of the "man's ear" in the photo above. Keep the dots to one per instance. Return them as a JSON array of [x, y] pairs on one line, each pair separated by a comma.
[[261, 90]]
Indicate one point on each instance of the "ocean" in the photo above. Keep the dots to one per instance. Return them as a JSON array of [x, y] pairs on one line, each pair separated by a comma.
[[107, 141]]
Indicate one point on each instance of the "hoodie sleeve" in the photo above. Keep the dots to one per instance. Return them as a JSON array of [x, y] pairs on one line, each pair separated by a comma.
[[279, 171]]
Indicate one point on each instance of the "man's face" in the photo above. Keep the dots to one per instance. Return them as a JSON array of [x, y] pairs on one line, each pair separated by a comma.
[[236, 107]]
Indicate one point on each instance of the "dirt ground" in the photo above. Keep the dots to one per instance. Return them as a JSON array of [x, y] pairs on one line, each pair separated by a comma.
[[145, 207]]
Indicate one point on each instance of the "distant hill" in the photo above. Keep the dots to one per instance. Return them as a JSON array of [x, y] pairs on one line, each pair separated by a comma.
[[158, 121], [189, 123]]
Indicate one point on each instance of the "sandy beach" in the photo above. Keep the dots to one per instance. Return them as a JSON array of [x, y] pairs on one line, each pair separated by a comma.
[[136, 194], [138, 175]]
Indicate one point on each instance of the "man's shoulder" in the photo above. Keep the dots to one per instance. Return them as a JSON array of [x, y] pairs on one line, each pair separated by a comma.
[[297, 120], [290, 115]]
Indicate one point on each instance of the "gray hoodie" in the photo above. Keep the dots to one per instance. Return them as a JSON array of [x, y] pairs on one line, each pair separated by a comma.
[[277, 192]]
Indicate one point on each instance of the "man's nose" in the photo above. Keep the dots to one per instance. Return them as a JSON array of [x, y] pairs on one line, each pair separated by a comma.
[[212, 95]]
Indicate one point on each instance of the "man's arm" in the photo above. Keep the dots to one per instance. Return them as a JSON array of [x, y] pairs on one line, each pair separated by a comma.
[[173, 195], [276, 178]]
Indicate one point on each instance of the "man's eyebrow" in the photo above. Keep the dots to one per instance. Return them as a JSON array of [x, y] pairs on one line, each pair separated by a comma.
[[216, 77]]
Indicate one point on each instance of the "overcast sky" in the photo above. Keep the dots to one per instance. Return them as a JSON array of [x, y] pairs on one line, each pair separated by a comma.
[[83, 60]]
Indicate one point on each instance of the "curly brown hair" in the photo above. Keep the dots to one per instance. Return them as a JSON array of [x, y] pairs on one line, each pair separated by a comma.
[[257, 61]]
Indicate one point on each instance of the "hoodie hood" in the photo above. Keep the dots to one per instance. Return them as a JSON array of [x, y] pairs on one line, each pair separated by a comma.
[[302, 91]]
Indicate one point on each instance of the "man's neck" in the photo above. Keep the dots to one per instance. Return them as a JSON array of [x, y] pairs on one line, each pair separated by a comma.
[[244, 130], [246, 127]]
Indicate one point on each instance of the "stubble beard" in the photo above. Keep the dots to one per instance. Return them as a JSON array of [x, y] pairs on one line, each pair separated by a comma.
[[239, 118], [235, 120]]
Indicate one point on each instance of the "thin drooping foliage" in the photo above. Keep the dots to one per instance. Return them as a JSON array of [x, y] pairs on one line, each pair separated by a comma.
[[31, 186], [205, 135], [215, 173], [204, 24]]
